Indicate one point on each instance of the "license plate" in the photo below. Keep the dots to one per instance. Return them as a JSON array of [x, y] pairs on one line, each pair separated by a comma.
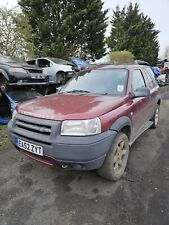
[[29, 147]]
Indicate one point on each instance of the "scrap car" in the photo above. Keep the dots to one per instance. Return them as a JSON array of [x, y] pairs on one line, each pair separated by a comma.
[[16, 79], [14, 73], [58, 70], [91, 122]]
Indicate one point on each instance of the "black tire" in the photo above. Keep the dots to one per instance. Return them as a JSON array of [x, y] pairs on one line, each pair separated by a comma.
[[61, 78], [3, 84], [111, 168], [155, 118]]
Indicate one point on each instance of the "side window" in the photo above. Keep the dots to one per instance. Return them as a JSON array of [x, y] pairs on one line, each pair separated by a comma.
[[31, 62], [43, 63], [138, 80], [149, 77]]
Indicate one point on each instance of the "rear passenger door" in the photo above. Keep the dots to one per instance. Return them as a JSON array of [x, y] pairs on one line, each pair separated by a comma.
[[46, 65], [153, 86], [139, 105]]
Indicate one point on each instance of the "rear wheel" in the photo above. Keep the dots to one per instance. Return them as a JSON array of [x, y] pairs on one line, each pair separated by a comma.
[[116, 160], [155, 118]]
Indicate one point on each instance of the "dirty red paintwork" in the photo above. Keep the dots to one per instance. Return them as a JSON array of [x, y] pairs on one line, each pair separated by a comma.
[[72, 106], [66, 106]]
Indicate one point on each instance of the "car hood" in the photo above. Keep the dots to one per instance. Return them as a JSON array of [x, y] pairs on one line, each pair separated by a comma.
[[65, 106], [22, 65], [25, 65]]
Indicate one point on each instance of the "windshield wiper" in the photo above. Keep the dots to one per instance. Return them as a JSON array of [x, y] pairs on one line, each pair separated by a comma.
[[75, 91]]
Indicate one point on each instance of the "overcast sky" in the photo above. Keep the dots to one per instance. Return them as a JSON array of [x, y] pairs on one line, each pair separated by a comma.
[[157, 10]]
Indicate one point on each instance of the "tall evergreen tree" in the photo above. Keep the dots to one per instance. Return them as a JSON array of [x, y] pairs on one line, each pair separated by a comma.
[[135, 32], [62, 28]]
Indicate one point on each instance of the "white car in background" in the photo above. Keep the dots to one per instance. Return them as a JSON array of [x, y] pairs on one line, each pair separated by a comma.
[[58, 70], [161, 79]]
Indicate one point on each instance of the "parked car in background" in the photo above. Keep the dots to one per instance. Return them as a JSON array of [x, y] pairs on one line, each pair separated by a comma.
[[13, 73], [58, 70], [92, 122], [80, 64], [161, 79], [141, 62], [162, 64]]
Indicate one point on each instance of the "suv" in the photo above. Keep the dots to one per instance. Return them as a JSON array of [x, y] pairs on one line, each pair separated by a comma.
[[92, 122], [14, 73], [59, 70]]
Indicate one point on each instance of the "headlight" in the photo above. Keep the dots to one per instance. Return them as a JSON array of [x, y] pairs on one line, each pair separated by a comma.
[[17, 70], [81, 127], [14, 114]]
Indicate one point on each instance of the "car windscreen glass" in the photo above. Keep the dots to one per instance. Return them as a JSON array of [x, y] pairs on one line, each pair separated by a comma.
[[102, 82], [23, 95], [60, 61]]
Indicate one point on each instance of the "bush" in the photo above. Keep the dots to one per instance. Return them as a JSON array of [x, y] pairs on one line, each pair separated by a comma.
[[121, 57]]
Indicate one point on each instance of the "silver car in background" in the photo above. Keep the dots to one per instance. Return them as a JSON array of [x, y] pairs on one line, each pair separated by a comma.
[[58, 70]]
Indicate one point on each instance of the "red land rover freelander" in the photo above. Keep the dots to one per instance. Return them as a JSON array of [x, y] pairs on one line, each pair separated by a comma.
[[91, 122]]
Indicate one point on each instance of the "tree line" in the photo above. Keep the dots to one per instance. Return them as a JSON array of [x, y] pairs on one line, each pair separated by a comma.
[[63, 28]]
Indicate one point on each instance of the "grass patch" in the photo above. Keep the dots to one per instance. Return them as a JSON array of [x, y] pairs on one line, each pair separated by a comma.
[[4, 140]]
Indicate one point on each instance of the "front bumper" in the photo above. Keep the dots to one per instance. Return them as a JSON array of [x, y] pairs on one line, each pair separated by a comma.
[[77, 153]]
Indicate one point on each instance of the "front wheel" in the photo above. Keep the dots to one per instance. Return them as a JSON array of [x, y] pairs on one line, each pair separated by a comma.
[[61, 78], [116, 160]]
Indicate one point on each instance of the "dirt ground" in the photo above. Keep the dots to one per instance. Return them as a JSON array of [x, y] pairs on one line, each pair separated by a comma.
[[34, 194]]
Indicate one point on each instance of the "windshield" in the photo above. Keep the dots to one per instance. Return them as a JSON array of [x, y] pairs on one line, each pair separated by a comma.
[[102, 82], [23, 95], [60, 61], [6, 59]]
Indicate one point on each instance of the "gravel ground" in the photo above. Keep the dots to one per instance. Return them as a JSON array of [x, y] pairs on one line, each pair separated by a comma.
[[34, 194]]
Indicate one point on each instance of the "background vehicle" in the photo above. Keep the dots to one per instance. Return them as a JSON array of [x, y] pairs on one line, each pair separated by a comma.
[[92, 121], [162, 79], [13, 73], [58, 70], [9, 100], [162, 64], [80, 64]]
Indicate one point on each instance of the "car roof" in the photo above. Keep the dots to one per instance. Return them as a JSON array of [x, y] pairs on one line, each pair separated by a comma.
[[122, 66]]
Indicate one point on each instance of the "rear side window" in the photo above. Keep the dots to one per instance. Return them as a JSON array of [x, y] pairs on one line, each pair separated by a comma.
[[138, 80], [149, 78]]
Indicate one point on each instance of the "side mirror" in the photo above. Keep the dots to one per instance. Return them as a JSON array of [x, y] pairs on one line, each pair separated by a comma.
[[141, 92]]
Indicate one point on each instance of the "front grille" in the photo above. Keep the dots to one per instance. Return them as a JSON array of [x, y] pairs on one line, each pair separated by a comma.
[[35, 80], [39, 130], [46, 130]]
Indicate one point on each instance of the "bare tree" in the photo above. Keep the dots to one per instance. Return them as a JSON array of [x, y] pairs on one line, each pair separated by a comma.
[[15, 34]]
